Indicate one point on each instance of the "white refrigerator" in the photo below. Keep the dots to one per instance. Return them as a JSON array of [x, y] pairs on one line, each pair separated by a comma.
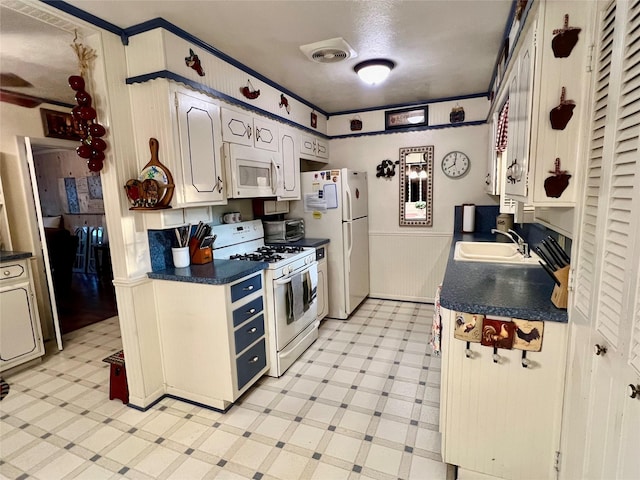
[[334, 206]]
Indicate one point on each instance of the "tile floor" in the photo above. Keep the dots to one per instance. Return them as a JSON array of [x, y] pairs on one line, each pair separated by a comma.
[[362, 402]]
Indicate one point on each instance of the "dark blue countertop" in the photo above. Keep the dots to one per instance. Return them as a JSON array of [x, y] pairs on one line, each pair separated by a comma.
[[520, 291], [9, 255], [218, 272], [309, 242]]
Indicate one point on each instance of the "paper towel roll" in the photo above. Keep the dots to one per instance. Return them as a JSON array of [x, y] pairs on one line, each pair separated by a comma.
[[468, 218]]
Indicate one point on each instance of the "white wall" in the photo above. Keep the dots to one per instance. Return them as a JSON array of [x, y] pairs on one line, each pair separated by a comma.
[[409, 262]]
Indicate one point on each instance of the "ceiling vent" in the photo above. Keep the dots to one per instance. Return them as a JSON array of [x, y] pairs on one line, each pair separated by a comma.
[[329, 51]]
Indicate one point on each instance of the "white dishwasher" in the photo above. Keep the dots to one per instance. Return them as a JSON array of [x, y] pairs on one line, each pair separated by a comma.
[[323, 285]]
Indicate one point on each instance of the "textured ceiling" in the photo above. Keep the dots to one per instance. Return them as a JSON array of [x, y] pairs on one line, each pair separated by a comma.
[[442, 48]]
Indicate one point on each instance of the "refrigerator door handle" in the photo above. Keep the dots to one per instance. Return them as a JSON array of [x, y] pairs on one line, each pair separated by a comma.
[[350, 230], [349, 213]]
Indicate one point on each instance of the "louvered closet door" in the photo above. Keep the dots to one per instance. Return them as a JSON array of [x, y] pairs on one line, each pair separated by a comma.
[[607, 282]]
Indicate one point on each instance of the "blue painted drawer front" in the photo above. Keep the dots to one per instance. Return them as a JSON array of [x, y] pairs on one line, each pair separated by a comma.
[[251, 362], [249, 333], [247, 311], [249, 286]]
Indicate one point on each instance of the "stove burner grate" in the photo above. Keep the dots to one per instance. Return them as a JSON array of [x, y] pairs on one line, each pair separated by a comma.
[[281, 248], [257, 257]]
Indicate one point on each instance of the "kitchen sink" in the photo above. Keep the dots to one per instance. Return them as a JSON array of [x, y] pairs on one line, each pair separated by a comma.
[[492, 252]]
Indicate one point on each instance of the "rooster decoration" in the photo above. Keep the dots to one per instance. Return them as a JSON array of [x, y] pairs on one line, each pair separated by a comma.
[[528, 335], [498, 334], [468, 327], [194, 62], [534, 334], [284, 103]]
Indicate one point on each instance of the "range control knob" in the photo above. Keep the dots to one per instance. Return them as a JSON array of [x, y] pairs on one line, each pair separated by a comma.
[[308, 260], [285, 270]]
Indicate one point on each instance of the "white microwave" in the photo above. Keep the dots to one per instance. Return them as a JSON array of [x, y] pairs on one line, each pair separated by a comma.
[[251, 172]]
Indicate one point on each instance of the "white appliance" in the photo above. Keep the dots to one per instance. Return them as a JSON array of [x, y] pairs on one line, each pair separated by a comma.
[[334, 206], [250, 172], [291, 282]]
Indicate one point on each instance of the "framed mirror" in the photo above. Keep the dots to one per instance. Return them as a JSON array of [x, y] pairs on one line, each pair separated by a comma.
[[416, 186]]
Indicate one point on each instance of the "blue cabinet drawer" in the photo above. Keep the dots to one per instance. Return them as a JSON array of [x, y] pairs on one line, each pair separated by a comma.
[[247, 287], [250, 363], [249, 333], [247, 311]]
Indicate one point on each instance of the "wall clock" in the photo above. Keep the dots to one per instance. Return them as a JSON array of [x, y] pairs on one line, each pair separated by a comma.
[[455, 164]]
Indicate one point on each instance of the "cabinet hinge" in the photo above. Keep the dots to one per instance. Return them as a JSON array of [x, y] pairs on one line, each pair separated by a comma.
[[556, 463], [570, 286], [590, 51]]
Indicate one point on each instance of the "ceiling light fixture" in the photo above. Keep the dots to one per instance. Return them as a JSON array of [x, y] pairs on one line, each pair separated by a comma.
[[375, 71]]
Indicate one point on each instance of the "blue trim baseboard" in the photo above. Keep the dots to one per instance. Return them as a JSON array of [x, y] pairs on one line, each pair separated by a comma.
[[162, 23], [175, 397], [126, 33], [411, 129], [212, 91], [413, 104]]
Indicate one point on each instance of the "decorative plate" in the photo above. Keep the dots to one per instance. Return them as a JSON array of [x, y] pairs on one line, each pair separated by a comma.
[[154, 173]]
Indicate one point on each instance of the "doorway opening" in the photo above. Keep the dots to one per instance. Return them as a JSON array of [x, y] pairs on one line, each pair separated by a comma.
[[72, 214]]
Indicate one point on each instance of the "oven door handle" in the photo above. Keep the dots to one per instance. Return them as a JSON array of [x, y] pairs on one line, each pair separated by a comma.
[[284, 281]]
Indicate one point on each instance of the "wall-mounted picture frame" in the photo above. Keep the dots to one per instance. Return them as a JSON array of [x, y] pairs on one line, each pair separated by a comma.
[[406, 118], [58, 124]]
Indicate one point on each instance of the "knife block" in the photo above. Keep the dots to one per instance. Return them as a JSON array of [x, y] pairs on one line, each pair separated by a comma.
[[560, 293], [199, 256]]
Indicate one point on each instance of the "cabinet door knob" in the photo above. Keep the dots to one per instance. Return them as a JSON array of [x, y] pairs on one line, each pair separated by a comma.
[[254, 359], [249, 288], [6, 273], [252, 330], [599, 350], [251, 311], [634, 391]]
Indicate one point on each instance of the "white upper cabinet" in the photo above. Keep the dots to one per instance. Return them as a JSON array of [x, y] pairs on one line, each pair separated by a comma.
[[187, 126], [245, 129], [520, 98], [313, 148], [288, 166], [200, 144], [547, 86]]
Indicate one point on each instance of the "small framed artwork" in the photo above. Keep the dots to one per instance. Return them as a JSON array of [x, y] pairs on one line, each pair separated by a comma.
[[60, 125], [406, 118]]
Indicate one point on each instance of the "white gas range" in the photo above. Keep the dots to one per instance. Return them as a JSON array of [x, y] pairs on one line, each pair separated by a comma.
[[291, 280]]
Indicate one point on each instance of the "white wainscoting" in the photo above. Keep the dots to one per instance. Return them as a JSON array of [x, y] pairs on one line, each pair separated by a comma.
[[407, 266]]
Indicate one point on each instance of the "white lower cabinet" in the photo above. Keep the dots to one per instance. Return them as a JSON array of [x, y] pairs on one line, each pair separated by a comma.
[[501, 419], [212, 338], [20, 330]]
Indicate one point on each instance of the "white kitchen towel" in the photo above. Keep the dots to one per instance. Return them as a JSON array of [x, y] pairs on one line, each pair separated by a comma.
[[298, 296], [436, 328]]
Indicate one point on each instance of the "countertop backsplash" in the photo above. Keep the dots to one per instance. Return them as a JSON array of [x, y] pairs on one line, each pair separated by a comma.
[[533, 233]]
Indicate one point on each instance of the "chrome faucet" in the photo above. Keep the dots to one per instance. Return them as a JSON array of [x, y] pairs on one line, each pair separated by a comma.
[[523, 247]]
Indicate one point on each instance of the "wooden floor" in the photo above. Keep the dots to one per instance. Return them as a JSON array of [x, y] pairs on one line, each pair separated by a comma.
[[90, 300]]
